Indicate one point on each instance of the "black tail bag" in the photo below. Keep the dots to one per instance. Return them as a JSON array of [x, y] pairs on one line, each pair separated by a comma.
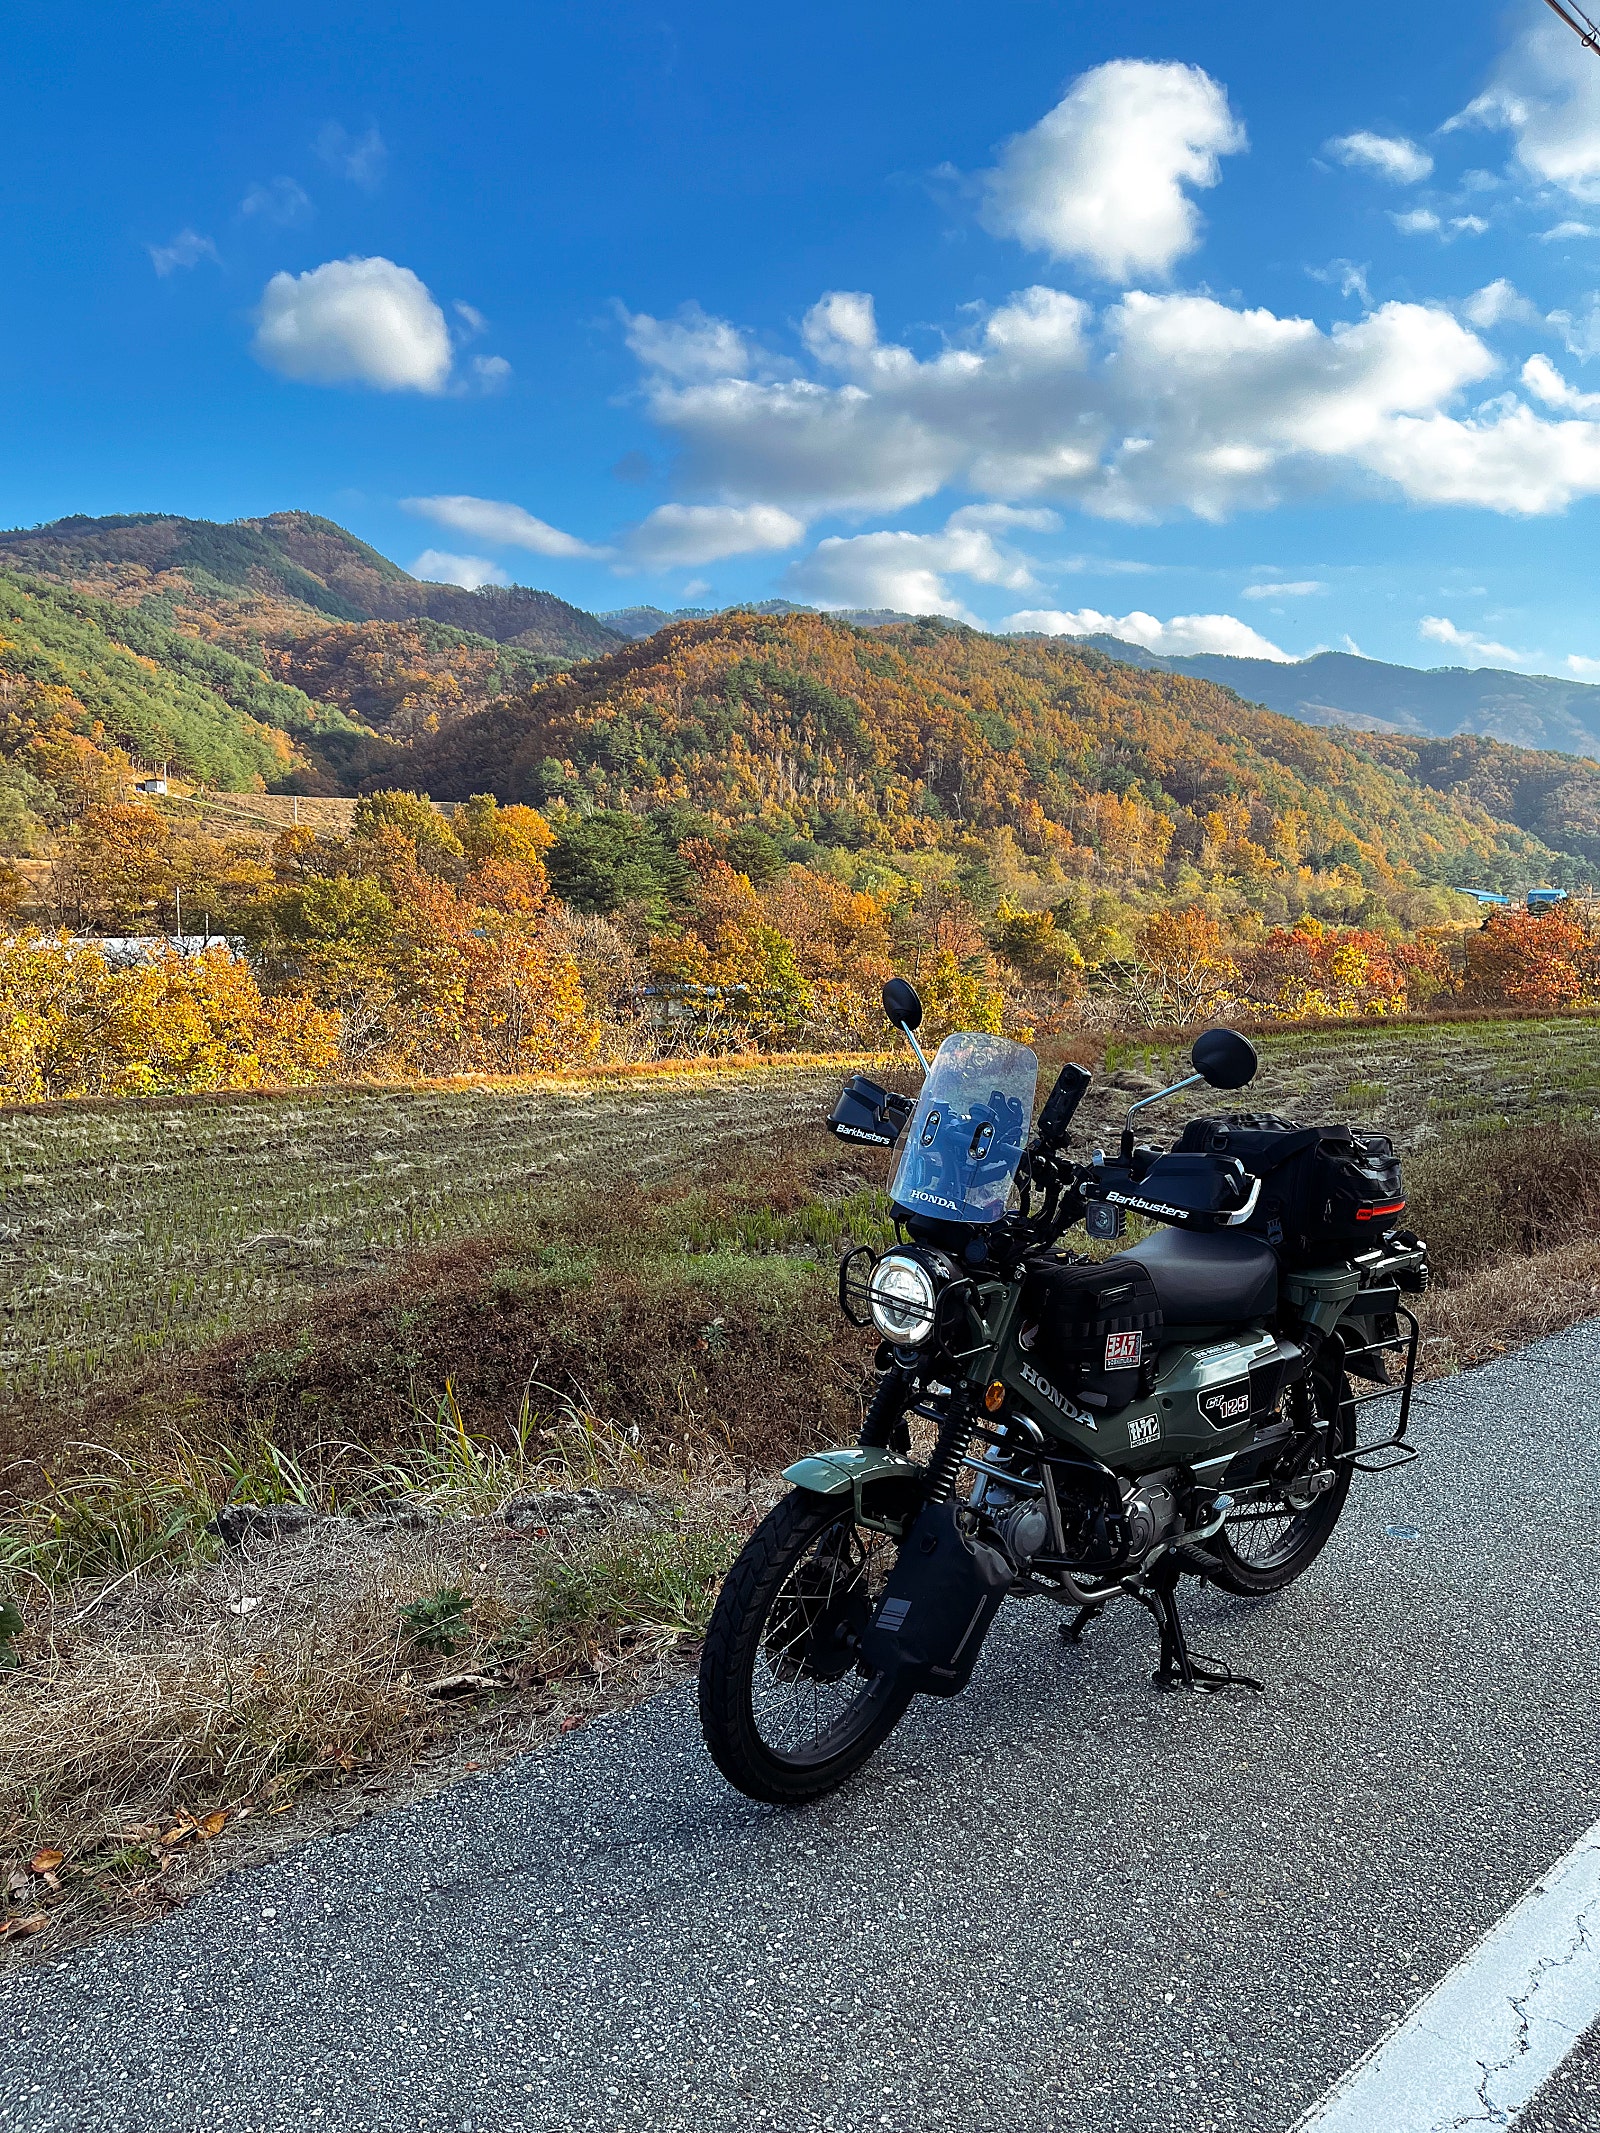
[[1325, 1191]]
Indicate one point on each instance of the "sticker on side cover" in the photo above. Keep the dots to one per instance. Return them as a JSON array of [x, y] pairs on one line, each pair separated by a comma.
[[1143, 1429], [1123, 1349], [1226, 1405]]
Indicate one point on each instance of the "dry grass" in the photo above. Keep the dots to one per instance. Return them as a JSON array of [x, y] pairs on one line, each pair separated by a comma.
[[653, 1320]]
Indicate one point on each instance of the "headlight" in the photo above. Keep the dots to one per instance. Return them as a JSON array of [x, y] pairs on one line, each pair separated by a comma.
[[901, 1297]]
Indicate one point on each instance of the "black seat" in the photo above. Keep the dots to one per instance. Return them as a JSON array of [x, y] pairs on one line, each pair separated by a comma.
[[1208, 1280]]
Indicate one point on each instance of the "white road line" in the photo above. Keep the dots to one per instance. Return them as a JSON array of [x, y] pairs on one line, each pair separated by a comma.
[[1489, 2035]]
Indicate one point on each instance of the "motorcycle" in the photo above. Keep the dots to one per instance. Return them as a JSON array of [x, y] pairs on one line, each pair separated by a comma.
[[1100, 1428]]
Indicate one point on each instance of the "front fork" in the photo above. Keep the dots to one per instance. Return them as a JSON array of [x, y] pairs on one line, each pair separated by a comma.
[[884, 1428]]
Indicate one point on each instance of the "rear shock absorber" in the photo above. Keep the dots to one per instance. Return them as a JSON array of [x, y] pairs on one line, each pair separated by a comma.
[[950, 1447]]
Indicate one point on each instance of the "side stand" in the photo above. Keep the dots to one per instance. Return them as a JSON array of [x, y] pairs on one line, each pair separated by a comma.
[[1180, 1668]]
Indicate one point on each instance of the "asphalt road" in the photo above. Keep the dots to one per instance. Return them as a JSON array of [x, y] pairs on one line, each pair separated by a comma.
[[1062, 1903]]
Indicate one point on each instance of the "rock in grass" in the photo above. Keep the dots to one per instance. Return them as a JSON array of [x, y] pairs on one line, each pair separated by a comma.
[[238, 1522], [552, 1510]]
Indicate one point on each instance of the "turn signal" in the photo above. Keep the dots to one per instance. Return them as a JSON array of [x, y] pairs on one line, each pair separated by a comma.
[[995, 1398]]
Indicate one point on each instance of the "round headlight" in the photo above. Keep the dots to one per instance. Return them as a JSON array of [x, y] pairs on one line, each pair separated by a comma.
[[901, 1298]]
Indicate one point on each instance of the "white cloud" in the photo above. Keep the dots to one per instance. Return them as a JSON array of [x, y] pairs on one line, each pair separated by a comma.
[[1348, 276], [1101, 178], [688, 346], [1296, 589], [471, 317], [1417, 222], [1439, 629], [491, 372], [1161, 404], [187, 249], [908, 570], [1584, 669], [279, 202], [1499, 303], [354, 322], [1546, 94], [1546, 383], [1386, 155], [361, 158], [507, 524], [469, 571], [1564, 230], [685, 535], [1183, 636]]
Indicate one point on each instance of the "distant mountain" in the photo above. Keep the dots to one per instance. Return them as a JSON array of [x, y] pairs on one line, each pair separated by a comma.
[[291, 566], [928, 735], [1342, 689]]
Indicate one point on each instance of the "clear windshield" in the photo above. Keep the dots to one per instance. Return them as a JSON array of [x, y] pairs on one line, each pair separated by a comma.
[[967, 1135]]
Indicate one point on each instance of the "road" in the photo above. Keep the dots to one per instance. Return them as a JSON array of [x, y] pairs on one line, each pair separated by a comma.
[[1062, 1903]]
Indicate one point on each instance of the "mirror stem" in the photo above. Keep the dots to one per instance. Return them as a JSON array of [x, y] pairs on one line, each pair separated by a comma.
[[910, 1036], [1187, 1082]]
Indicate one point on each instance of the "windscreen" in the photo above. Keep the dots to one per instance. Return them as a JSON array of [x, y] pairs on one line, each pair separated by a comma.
[[968, 1131]]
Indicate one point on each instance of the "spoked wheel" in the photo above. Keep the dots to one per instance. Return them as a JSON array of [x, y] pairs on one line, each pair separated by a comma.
[[788, 1709], [1272, 1537]]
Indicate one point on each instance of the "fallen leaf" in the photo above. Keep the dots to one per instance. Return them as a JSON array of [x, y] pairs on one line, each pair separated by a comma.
[[246, 1604], [45, 1862], [20, 1928], [573, 1718], [213, 1825], [180, 1833], [17, 1882]]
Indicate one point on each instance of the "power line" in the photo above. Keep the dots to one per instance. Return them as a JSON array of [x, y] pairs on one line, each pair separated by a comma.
[[1578, 22]]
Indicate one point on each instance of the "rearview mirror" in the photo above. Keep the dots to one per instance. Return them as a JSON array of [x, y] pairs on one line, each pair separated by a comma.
[[1224, 1058], [901, 1005]]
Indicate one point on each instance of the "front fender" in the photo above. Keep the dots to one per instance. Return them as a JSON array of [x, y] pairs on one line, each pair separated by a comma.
[[886, 1487]]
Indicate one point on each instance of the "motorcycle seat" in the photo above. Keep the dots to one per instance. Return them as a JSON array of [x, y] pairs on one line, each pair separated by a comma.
[[1213, 1280]]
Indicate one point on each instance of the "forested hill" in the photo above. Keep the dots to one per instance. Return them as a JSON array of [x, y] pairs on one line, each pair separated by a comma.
[[1342, 689], [912, 736], [274, 571]]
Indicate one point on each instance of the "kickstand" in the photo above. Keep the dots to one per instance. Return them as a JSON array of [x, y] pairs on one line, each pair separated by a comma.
[[1072, 1632], [1180, 1668]]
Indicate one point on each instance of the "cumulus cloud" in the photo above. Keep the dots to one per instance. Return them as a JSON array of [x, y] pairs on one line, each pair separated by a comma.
[[187, 249], [1499, 303], [1294, 589], [1584, 669], [1546, 94], [354, 322], [1546, 383], [686, 535], [1161, 403], [362, 158], [279, 202], [506, 524], [468, 571], [1439, 629], [692, 345], [1101, 179], [1417, 222], [908, 570], [490, 373], [1183, 636], [1386, 155], [1563, 230]]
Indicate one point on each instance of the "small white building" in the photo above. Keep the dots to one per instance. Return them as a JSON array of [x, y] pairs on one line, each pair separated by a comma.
[[154, 787]]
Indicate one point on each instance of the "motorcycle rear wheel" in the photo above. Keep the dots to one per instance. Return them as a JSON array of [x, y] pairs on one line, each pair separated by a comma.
[[1263, 1547], [788, 1713]]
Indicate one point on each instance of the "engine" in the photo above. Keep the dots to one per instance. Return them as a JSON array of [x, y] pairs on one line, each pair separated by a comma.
[[1103, 1533]]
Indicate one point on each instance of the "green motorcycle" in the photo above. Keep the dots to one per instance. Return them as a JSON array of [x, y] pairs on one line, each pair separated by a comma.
[[1045, 1423]]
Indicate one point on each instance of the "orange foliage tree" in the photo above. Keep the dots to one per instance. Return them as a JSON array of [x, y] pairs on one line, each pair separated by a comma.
[[1528, 960]]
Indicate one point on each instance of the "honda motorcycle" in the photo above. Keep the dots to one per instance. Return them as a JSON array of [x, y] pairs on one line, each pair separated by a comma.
[[1050, 1424]]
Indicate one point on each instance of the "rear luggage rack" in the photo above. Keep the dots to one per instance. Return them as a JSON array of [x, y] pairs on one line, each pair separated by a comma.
[[1366, 1458]]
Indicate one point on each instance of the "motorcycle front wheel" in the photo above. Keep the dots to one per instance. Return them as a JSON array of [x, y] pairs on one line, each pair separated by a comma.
[[788, 1709]]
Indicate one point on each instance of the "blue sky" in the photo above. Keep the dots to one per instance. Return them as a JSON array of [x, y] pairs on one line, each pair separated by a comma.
[[1213, 326]]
